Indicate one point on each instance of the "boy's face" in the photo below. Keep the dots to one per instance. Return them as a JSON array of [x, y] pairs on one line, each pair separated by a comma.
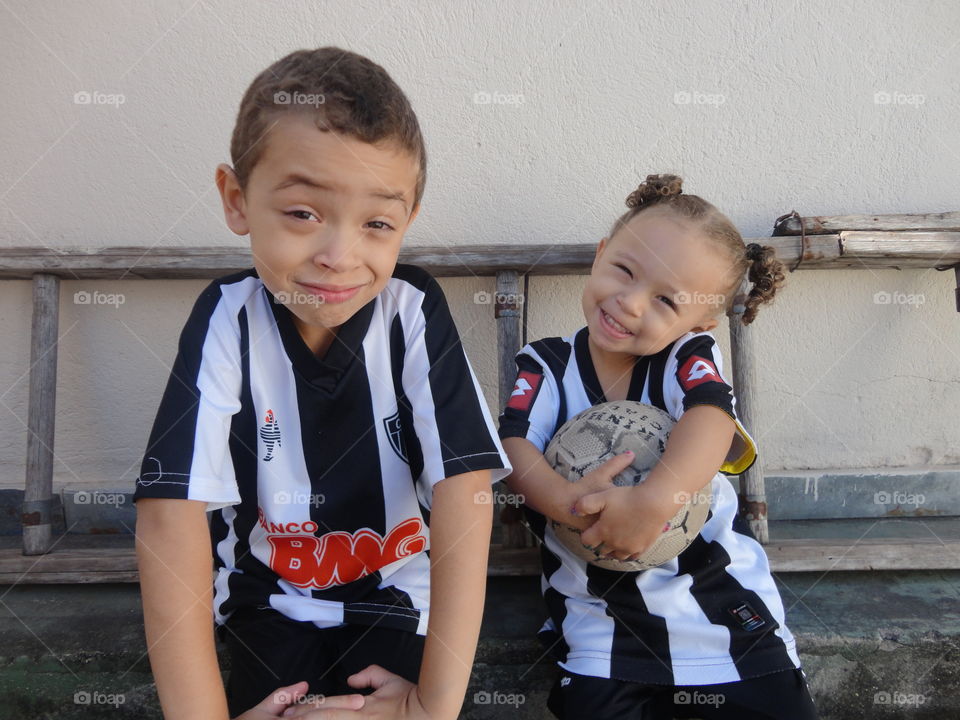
[[326, 214], [655, 280]]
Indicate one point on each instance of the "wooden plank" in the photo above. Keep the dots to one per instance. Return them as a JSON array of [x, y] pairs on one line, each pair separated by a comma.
[[116, 263], [41, 415], [824, 224], [913, 249], [887, 554], [743, 349]]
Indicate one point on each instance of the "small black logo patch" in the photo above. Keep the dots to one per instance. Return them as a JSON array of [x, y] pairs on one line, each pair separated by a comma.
[[747, 617], [395, 434]]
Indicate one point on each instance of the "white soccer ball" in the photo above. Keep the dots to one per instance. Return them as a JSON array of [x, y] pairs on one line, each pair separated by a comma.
[[599, 433]]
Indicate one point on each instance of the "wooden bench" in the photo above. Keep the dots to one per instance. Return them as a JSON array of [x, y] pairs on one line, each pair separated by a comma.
[[848, 242]]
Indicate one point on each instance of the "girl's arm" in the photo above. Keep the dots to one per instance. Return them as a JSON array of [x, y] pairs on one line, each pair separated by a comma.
[[631, 519]]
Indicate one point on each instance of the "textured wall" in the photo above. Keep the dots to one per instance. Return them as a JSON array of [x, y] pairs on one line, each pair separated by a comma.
[[823, 107]]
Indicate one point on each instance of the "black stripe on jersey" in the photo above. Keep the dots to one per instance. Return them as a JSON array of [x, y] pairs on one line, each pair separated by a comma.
[[718, 593], [402, 615], [556, 602], [588, 375], [456, 405], [640, 639], [173, 434], [656, 370], [398, 350]]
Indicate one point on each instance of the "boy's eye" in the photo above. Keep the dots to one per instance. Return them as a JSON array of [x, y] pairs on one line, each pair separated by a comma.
[[667, 301], [379, 225], [624, 268], [299, 214]]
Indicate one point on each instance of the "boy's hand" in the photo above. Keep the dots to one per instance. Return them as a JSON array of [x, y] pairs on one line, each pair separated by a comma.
[[393, 697], [631, 519], [281, 699], [596, 481]]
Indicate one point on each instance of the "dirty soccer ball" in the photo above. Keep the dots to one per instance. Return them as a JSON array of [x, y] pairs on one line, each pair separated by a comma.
[[597, 434]]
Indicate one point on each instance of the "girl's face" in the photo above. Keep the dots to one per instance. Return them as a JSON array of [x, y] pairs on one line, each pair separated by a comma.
[[655, 280]]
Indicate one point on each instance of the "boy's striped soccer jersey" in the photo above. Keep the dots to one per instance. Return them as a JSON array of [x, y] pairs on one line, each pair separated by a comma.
[[712, 615], [320, 473]]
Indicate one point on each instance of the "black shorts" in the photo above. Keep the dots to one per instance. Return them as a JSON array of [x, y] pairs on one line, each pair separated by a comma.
[[267, 651], [778, 696]]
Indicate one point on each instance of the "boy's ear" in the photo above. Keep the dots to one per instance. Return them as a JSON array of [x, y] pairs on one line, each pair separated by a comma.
[[234, 203]]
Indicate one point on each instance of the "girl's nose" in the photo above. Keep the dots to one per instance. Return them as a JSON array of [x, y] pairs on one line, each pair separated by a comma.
[[633, 302]]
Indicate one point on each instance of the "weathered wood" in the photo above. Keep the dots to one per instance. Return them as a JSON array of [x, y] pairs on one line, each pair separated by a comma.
[[743, 350], [888, 554], [902, 249], [823, 224], [117, 263], [508, 310], [41, 416]]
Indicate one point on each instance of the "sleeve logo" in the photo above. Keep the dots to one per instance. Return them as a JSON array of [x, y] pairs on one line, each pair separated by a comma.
[[696, 371], [525, 390]]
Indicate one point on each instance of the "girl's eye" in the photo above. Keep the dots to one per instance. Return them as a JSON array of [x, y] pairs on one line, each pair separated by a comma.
[[379, 225], [298, 214], [667, 301], [624, 268]]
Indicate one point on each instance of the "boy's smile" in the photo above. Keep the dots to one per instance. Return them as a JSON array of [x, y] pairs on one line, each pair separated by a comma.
[[326, 214], [650, 284]]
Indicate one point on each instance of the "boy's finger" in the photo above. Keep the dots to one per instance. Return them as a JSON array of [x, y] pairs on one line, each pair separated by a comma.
[[371, 676], [281, 697], [334, 702]]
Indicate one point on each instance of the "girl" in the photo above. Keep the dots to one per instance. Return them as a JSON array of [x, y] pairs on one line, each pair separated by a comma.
[[704, 634]]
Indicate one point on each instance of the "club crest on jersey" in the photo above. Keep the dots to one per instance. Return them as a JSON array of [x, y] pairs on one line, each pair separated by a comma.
[[525, 390], [270, 434], [696, 371], [395, 435]]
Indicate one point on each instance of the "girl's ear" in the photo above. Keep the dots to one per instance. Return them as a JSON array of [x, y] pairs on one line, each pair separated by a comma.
[[707, 326], [234, 203], [600, 248]]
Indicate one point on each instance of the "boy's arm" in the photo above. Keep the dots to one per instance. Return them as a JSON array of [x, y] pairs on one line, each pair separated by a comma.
[[631, 519], [547, 491], [176, 572]]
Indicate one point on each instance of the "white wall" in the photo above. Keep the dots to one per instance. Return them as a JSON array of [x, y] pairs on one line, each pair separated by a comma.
[[847, 382]]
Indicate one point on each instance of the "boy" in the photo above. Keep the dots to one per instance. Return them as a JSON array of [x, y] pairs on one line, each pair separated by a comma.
[[322, 409]]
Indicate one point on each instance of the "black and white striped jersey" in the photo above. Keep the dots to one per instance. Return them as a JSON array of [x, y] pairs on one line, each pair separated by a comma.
[[320, 473], [712, 615]]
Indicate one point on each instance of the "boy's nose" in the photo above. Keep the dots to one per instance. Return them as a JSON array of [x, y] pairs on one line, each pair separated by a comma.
[[633, 303], [336, 250]]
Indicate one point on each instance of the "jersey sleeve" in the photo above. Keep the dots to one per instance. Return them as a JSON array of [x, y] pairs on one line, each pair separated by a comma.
[[694, 376], [450, 415], [188, 454], [534, 405]]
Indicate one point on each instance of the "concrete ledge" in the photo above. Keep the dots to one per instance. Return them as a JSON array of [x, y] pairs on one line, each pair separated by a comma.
[[883, 645]]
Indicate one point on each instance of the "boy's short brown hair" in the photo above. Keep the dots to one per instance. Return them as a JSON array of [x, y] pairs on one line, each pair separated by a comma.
[[342, 90]]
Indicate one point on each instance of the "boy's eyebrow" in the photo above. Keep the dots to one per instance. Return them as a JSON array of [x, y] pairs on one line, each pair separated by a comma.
[[300, 179]]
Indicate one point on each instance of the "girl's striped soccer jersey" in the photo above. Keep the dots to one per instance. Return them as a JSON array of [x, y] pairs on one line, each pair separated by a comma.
[[712, 615], [320, 473]]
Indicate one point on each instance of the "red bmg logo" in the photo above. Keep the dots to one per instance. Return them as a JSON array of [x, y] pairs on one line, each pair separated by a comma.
[[338, 558]]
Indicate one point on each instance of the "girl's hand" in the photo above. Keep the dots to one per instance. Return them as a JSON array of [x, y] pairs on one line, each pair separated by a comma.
[[595, 481], [631, 519], [277, 702], [393, 697]]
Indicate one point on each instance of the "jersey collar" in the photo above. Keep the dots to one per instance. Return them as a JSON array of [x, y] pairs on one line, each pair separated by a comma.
[[588, 373], [346, 348]]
